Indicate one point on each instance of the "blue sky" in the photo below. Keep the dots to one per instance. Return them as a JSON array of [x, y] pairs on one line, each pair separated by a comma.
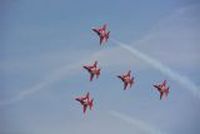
[[45, 43]]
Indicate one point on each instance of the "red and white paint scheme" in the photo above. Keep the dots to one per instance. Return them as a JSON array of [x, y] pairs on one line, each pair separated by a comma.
[[85, 101], [93, 70], [162, 88], [127, 79], [102, 33]]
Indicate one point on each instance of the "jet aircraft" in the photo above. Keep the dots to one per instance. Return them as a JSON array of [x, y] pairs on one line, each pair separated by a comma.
[[162, 88], [93, 70], [127, 79], [85, 101], [102, 33]]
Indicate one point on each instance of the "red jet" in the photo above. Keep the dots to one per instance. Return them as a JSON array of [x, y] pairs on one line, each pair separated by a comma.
[[127, 79], [93, 70], [162, 88], [85, 102], [102, 33]]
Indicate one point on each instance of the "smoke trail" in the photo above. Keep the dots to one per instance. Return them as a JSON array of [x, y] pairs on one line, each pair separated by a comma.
[[69, 69], [144, 127], [182, 80], [57, 75]]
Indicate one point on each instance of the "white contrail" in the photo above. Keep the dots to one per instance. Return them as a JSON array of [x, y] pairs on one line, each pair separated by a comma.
[[182, 80], [141, 125], [57, 75], [69, 69]]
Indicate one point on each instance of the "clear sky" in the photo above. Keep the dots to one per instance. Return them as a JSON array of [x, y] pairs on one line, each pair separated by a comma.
[[44, 43]]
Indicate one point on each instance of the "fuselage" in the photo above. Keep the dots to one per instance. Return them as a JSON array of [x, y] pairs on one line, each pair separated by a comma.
[[103, 33], [94, 71]]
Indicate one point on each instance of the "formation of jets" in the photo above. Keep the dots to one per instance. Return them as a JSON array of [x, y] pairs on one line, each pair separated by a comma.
[[127, 78]]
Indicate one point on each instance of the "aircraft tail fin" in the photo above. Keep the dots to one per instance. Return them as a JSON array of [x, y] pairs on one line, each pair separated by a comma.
[[132, 81], [87, 95], [107, 35], [164, 82], [167, 91], [91, 104], [129, 73], [95, 63], [104, 26]]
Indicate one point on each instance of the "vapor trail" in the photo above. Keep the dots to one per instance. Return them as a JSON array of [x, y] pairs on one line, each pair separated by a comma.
[[182, 80], [144, 127], [57, 75]]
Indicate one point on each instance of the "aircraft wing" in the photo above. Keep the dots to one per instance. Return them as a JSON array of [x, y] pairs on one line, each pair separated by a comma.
[[96, 31], [88, 68], [120, 77]]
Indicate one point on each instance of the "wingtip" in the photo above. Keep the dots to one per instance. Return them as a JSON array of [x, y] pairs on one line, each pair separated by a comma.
[[118, 76]]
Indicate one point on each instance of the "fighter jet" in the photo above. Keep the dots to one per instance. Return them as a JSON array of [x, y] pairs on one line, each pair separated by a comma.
[[85, 101], [93, 70], [102, 33], [162, 88], [127, 79]]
